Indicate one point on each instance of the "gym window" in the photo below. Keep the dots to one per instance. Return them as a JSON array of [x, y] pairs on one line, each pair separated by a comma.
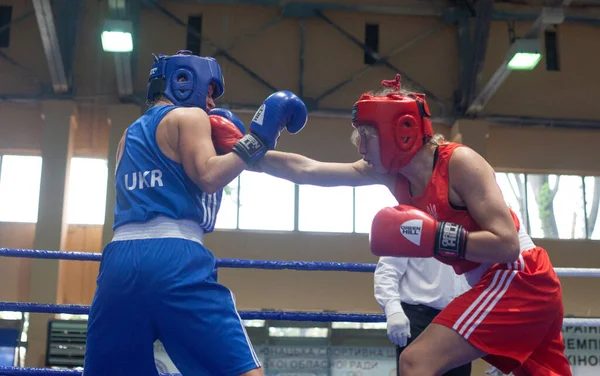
[[194, 33], [5, 20], [228, 213], [368, 200], [371, 41], [265, 202], [554, 206], [325, 209], [86, 194], [552, 55], [20, 178]]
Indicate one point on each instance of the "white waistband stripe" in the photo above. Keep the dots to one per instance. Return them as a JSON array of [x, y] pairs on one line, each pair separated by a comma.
[[161, 227]]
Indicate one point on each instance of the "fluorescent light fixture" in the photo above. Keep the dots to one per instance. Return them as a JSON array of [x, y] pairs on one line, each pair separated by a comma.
[[116, 36], [524, 54], [524, 61]]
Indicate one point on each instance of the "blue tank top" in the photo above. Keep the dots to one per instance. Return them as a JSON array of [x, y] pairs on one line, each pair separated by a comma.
[[149, 184]]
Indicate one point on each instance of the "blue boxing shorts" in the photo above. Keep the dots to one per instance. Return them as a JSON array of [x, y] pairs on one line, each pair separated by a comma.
[[151, 289]]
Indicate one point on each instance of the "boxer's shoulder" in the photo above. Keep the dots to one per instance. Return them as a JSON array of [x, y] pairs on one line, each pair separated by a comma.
[[183, 120], [187, 115]]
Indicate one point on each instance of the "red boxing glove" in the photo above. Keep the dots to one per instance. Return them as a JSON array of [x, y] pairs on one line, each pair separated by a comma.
[[404, 231], [225, 131]]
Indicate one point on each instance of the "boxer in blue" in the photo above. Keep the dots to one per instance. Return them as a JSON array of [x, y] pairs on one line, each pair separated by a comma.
[[155, 279]]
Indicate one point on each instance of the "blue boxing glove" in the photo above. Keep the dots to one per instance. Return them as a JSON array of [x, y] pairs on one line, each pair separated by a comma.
[[282, 109]]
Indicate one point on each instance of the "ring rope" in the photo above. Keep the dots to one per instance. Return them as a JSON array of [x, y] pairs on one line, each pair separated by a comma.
[[51, 372], [259, 264], [222, 263], [248, 315], [253, 315]]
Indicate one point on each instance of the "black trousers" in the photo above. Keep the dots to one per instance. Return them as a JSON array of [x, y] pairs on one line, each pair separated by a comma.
[[420, 317]]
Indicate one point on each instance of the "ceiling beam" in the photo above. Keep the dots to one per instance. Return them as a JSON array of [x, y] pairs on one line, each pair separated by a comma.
[[67, 22], [45, 20], [120, 10], [307, 9], [494, 119], [473, 50], [542, 122]]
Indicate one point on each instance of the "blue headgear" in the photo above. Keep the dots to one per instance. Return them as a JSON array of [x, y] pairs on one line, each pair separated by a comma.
[[198, 72]]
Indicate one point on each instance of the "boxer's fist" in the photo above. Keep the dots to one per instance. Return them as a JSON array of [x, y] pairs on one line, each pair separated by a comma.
[[280, 110], [227, 129], [405, 231]]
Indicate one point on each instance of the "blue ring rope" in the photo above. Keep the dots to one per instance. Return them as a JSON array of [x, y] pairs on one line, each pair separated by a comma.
[[52, 255], [51, 372], [246, 315], [253, 315], [258, 264], [220, 263]]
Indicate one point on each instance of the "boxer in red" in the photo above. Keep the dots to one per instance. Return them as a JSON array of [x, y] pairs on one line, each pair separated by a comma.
[[512, 316], [450, 208]]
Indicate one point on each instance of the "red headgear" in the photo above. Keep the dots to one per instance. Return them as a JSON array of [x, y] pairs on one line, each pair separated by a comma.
[[402, 123]]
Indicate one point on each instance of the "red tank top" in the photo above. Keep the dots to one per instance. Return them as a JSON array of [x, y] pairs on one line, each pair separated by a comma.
[[434, 200]]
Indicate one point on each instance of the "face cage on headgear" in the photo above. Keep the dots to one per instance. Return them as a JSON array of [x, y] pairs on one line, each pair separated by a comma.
[[402, 123], [184, 79]]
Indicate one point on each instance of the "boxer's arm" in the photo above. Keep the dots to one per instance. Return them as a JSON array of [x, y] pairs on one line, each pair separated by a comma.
[[473, 179], [303, 170], [198, 156]]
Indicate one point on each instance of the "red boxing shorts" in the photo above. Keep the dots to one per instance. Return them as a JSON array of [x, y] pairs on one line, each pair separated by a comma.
[[514, 313]]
